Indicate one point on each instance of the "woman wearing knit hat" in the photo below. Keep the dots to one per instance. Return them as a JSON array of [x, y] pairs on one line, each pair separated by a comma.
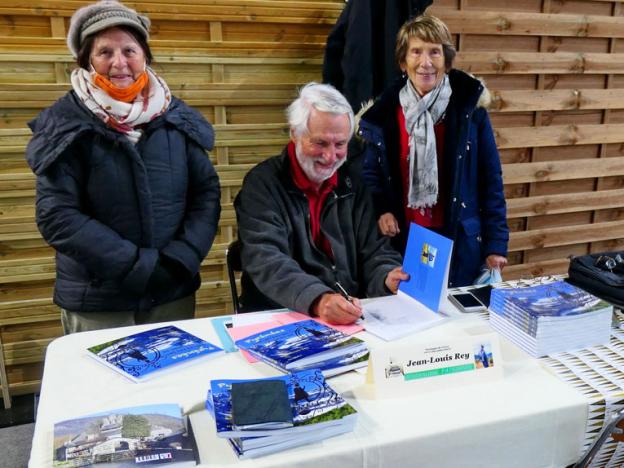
[[126, 194]]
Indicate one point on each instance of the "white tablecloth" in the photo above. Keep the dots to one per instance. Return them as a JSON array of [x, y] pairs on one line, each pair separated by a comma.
[[528, 419]]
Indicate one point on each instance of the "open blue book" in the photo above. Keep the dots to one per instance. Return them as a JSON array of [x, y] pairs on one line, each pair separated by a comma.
[[318, 412], [307, 345], [135, 436], [415, 307], [143, 355]]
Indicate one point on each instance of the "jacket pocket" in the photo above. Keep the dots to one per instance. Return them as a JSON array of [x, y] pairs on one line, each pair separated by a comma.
[[468, 251], [472, 226]]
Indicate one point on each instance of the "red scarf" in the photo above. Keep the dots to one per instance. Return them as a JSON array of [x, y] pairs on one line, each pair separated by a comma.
[[316, 199]]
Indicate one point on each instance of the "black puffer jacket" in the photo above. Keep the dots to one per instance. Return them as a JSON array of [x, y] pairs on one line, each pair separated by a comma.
[[110, 208], [359, 54], [278, 254]]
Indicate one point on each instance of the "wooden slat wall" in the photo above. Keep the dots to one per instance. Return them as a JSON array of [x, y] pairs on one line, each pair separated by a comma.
[[554, 69], [237, 61]]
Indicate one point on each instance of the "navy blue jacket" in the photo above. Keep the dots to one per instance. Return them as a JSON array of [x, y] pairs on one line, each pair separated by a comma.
[[110, 208], [475, 216]]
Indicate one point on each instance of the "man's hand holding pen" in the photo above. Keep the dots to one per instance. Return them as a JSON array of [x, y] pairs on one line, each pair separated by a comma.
[[338, 308], [342, 309]]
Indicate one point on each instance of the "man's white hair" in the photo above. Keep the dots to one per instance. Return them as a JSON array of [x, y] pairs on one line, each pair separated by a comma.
[[323, 98]]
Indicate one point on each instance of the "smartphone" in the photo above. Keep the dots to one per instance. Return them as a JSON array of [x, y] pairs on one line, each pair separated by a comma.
[[482, 293], [466, 302]]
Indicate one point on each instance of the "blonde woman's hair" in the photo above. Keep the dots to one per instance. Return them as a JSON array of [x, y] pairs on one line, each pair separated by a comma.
[[427, 28]]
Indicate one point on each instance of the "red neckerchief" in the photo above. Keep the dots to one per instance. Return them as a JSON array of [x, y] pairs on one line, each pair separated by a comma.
[[428, 217], [316, 199]]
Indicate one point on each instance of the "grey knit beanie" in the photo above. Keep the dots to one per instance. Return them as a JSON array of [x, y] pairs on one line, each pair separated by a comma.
[[102, 15]]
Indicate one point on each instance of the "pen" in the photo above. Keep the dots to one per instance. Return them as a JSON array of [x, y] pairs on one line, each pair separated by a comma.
[[343, 292], [198, 406]]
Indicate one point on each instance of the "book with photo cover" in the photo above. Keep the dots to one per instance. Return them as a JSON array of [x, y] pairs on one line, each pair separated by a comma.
[[318, 412], [558, 304], [135, 436], [557, 301], [307, 345], [143, 355]]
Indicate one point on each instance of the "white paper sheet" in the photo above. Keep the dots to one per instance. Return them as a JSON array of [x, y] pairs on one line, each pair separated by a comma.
[[393, 317], [240, 320]]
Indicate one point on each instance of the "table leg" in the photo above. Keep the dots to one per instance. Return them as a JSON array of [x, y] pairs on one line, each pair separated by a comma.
[[4, 380]]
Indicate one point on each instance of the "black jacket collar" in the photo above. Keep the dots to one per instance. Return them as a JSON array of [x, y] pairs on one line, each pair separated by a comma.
[[58, 126]]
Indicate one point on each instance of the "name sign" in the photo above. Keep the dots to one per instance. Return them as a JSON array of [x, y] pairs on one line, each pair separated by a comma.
[[395, 368]]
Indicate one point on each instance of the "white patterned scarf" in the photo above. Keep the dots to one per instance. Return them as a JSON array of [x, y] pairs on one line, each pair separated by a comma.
[[420, 115], [123, 117]]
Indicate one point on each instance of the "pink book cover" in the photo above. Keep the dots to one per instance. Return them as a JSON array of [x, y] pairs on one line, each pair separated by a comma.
[[238, 333], [291, 317]]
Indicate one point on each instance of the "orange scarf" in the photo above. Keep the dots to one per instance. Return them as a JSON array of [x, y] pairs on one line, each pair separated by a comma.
[[121, 94]]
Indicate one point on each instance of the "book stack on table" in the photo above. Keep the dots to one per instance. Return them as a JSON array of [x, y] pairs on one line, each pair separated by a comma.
[[307, 345], [550, 318], [264, 416]]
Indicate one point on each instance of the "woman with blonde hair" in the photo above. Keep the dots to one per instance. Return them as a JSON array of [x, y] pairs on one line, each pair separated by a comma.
[[431, 157]]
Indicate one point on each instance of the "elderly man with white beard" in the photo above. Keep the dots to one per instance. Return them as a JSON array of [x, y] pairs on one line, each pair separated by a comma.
[[309, 236]]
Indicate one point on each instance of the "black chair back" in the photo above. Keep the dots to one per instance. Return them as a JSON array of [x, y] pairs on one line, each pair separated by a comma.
[[233, 262]]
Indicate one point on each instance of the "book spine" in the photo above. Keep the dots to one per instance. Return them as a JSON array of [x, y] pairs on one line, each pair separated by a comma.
[[525, 322], [267, 360]]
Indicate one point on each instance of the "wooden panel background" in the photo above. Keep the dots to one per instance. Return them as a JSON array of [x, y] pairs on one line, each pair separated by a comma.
[[555, 69]]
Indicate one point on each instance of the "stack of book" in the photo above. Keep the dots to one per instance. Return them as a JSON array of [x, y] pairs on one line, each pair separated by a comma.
[[264, 416], [550, 318], [307, 345]]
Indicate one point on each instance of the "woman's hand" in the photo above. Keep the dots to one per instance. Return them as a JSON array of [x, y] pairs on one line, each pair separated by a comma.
[[388, 225], [496, 261]]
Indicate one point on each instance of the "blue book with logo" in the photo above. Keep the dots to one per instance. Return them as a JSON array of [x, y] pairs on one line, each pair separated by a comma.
[[143, 355], [427, 260], [416, 305], [307, 345]]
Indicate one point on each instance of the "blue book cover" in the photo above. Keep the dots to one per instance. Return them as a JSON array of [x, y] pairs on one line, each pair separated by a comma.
[[314, 404], [545, 301], [221, 324], [144, 354], [138, 435], [304, 345], [427, 260]]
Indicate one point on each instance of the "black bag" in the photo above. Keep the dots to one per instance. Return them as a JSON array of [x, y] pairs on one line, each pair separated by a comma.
[[600, 274]]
